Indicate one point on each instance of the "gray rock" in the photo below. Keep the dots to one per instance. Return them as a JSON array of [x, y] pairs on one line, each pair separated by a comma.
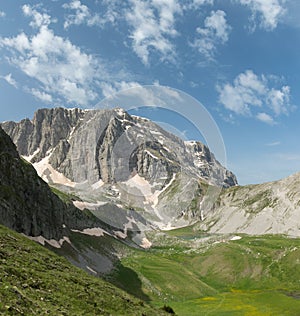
[[28, 205]]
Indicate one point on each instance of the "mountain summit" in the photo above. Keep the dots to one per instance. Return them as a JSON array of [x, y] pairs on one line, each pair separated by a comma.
[[112, 159]]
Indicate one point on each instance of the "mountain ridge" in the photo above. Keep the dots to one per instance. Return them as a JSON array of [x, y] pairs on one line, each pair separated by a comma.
[[110, 156], [27, 203]]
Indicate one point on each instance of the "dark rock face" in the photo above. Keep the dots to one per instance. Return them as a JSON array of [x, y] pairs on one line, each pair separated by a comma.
[[27, 204], [44, 132], [110, 145]]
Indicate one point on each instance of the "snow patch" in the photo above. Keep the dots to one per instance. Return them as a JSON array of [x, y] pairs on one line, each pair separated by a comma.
[[236, 238], [146, 244], [120, 234], [151, 155], [90, 269], [52, 242], [29, 158], [96, 231], [141, 184], [86, 205], [49, 174], [97, 185]]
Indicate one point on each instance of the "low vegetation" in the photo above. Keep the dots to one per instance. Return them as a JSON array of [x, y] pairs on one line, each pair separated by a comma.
[[256, 275], [35, 281]]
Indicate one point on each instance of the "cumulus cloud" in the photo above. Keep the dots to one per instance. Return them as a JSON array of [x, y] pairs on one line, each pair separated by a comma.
[[277, 99], [61, 70], [2, 14], [265, 118], [55, 62], [152, 25], [83, 15], [10, 80], [38, 19], [267, 12], [250, 92], [215, 32]]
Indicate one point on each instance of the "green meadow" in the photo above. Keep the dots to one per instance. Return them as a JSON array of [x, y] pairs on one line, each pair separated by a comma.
[[257, 275]]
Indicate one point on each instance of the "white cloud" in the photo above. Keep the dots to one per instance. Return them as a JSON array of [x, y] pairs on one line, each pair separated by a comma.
[[83, 15], [110, 89], [250, 91], [41, 95], [2, 14], [202, 2], [152, 26], [269, 12], [265, 118], [277, 143], [215, 32], [62, 72], [195, 4], [10, 80], [55, 62], [277, 99], [39, 19]]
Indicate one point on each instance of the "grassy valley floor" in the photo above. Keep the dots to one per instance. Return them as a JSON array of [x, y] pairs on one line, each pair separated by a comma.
[[197, 274]]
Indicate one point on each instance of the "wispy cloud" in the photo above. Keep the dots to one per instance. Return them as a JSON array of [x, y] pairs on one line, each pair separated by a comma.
[[265, 118], [83, 15], [216, 31], [2, 14], [273, 144], [288, 156], [152, 25], [41, 95], [265, 13], [250, 92], [10, 80], [109, 89]]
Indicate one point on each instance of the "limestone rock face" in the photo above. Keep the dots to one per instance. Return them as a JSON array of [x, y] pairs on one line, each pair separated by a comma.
[[109, 156], [27, 204], [110, 145], [44, 132]]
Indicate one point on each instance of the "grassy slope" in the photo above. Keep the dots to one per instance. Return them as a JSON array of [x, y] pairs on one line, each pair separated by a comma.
[[35, 281], [251, 276]]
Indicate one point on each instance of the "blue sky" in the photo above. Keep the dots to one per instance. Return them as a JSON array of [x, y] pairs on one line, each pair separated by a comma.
[[239, 58]]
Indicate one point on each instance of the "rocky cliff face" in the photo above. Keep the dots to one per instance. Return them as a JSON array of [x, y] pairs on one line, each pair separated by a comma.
[[110, 156], [102, 144], [27, 204], [267, 208], [44, 132]]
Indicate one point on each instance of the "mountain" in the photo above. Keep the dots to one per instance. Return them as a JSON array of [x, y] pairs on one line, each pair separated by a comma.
[[134, 176], [27, 203], [268, 208], [35, 281], [120, 164]]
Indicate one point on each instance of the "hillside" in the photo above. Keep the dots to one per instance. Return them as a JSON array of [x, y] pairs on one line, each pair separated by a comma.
[[35, 281], [267, 208], [28, 205], [109, 157], [201, 274]]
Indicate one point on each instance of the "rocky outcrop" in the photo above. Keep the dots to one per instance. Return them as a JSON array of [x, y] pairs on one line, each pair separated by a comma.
[[110, 156], [267, 208], [44, 132], [27, 204], [110, 145]]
